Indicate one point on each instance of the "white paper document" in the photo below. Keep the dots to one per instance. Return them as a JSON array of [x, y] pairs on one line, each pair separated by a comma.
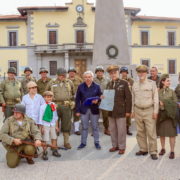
[[107, 103]]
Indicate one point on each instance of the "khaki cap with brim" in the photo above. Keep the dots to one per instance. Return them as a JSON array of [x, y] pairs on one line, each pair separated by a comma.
[[142, 68], [31, 84], [48, 93], [112, 68]]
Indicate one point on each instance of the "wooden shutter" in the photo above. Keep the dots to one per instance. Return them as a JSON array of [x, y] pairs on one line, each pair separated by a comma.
[[144, 38], [80, 36], [53, 68], [172, 67], [12, 39], [52, 37], [171, 38]]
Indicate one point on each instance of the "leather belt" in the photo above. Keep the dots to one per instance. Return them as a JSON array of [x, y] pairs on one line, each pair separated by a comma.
[[143, 108]]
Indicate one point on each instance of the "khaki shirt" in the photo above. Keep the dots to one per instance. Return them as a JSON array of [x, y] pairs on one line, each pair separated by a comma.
[[76, 81], [10, 92], [145, 95], [11, 130], [42, 85], [24, 83], [63, 90], [102, 82]]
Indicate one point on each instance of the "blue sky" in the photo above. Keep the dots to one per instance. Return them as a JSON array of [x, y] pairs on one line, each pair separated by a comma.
[[169, 8]]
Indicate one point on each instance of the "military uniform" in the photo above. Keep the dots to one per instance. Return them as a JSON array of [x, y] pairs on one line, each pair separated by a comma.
[[10, 94], [11, 130], [42, 85], [103, 84], [177, 91], [63, 97], [24, 83], [157, 80], [145, 103]]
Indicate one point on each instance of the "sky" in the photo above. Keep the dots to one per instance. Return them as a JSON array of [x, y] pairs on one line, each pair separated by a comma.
[[167, 8]]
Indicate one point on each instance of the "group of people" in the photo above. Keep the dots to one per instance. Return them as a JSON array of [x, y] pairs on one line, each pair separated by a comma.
[[39, 110]]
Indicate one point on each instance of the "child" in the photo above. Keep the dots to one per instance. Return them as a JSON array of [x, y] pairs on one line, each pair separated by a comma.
[[49, 123]]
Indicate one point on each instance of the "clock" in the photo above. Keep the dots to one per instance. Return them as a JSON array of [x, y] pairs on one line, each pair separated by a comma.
[[79, 8]]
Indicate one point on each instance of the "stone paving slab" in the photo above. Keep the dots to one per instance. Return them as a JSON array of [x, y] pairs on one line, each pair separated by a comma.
[[92, 164]]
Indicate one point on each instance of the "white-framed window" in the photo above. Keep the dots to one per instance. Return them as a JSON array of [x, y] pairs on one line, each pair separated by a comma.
[[171, 35], [80, 36], [144, 38], [52, 36], [12, 38]]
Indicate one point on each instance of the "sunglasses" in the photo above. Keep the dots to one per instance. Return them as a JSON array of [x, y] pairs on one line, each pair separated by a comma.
[[33, 87]]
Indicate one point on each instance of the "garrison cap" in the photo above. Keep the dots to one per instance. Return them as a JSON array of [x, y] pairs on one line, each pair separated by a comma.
[[20, 108], [43, 69], [164, 76], [142, 68], [112, 68], [61, 71], [12, 70]]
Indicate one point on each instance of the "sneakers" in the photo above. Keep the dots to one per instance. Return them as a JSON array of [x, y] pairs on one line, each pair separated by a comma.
[[81, 146], [97, 145]]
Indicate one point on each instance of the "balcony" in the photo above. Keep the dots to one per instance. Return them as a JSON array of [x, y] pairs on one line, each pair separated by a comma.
[[61, 48]]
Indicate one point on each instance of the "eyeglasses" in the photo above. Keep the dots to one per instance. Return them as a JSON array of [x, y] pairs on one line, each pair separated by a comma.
[[33, 87]]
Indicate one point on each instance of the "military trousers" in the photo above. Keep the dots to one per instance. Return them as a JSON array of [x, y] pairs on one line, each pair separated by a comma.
[[12, 157], [65, 115], [128, 121], [146, 130], [117, 127], [8, 111], [105, 119]]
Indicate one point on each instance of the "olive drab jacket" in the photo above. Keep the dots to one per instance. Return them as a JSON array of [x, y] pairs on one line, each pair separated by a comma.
[[24, 83], [10, 92], [12, 129], [76, 81], [42, 85]]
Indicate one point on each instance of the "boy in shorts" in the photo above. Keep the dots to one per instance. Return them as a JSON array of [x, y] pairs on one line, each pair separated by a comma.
[[49, 123]]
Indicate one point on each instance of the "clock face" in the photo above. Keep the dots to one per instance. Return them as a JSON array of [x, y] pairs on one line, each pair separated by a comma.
[[79, 8]]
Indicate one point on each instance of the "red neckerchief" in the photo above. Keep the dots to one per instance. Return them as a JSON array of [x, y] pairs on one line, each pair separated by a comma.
[[53, 107]]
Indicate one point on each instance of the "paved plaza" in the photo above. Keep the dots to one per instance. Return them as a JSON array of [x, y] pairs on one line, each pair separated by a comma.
[[92, 164]]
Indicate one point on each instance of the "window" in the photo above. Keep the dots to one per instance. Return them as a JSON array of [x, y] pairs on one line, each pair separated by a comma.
[[53, 67], [172, 66], [52, 37], [14, 64], [12, 38], [144, 38], [80, 36], [171, 38], [145, 62]]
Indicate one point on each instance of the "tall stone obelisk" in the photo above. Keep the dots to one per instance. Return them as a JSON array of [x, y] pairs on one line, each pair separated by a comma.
[[110, 43]]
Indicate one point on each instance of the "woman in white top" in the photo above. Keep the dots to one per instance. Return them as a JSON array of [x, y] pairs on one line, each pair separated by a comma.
[[33, 101]]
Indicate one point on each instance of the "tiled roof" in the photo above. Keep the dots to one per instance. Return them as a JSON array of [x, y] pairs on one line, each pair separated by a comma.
[[23, 10], [155, 18], [12, 17]]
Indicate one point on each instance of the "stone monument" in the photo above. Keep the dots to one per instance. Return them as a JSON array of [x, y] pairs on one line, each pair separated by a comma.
[[110, 40]]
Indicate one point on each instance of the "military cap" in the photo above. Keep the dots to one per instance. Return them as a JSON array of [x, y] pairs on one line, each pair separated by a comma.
[[12, 70], [61, 71], [43, 69], [112, 68], [142, 68], [123, 69], [20, 108], [48, 93], [28, 69], [72, 69], [99, 68], [164, 76]]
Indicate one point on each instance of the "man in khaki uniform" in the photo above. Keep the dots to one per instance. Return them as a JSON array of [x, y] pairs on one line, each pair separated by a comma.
[[102, 82], [10, 92], [17, 128], [28, 77], [76, 81], [145, 106], [42, 83], [124, 75], [63, 90]]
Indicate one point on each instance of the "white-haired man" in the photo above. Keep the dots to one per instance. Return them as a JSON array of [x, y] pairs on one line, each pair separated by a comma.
[[88, 111]]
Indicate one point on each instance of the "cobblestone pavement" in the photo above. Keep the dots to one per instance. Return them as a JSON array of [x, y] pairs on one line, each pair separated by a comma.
[[92, 164]]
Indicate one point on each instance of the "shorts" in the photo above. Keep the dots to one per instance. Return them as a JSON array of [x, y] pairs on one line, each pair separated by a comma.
[[49, 133]]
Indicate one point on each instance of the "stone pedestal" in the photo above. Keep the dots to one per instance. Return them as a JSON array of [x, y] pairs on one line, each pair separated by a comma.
[[111, 44]]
